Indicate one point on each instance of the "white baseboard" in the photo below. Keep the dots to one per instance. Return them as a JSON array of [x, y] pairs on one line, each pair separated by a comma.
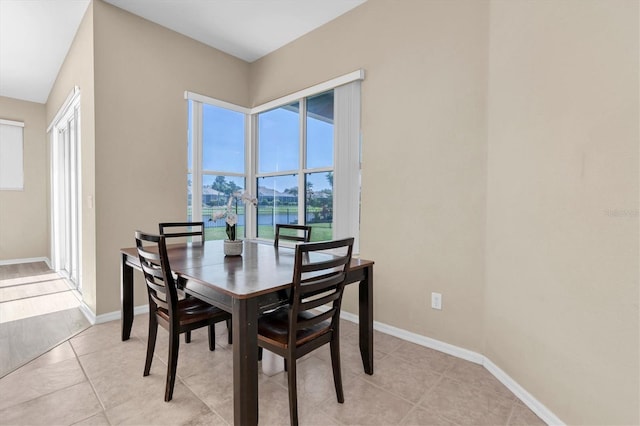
[[116, 315], [109, 316], [88, 313], [27, 260], [534, 405]]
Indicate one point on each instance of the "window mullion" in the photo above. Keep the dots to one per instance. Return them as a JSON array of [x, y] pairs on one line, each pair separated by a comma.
[[251, 215], [196, 186], [302, 188]]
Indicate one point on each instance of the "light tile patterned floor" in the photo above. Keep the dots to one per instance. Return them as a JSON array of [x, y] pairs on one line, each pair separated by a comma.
[[95, 379], [38, 311]]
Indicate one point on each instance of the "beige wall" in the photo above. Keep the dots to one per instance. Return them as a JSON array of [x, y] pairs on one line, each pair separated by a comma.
[[78, 70], [141, 73], [423, 148], [24, 217], [525, 110], [561, 313]]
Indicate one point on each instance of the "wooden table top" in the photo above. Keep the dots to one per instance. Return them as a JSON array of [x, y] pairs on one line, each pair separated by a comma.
[[261, 269]]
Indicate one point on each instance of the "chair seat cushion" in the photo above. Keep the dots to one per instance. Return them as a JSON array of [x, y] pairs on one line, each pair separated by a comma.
[[274, 328], [192, 310]]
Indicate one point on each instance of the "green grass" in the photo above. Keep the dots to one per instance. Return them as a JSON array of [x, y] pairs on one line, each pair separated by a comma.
[[320, 232]]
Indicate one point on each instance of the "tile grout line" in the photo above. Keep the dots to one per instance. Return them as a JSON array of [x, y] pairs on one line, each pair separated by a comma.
[[42, 395], [104, 409]]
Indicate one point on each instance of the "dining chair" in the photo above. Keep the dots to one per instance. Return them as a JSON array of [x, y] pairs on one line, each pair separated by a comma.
[[292, 233], [297, 328], [176, 316], [181, 230], [187, 229]]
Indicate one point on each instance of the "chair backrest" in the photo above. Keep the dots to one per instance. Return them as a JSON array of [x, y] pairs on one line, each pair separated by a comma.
[[298, 233], [319, 276], [182, 229], [154, 261]]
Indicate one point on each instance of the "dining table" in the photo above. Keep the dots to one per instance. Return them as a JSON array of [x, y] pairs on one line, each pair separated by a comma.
[[246, 285]]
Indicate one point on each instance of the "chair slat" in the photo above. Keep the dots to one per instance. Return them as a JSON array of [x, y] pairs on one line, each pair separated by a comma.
[[279, 235], [314, 303], [186, 229], [313, 287], [315, 320]]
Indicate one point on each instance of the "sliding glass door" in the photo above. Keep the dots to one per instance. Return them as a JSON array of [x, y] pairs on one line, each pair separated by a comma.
[[66, 194]]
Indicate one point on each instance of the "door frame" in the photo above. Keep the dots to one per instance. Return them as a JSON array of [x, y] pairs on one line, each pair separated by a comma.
[[69, 112]]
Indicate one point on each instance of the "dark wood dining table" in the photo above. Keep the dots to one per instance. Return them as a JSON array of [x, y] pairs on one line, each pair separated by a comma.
[[245, 285]]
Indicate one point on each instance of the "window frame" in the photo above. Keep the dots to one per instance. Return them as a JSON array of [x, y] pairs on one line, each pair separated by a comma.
[[347, 152], [196, 170], [302, 170]]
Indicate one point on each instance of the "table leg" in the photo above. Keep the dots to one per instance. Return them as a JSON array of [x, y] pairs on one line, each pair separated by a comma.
[[245, 361], [366, 319], [126, 294]]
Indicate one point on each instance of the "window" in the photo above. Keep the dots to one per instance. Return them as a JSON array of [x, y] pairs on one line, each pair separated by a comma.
[[216, 164], [11, 155], [302, 161], [295, 168]]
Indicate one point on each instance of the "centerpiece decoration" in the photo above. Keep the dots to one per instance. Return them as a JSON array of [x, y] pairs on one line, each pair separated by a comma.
[[233, 246]]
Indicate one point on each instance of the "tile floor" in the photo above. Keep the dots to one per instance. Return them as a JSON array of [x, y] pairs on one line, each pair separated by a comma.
[[38, 311], [96, 379]]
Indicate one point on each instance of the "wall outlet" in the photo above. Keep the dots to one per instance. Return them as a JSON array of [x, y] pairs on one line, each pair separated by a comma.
[[436, 300]]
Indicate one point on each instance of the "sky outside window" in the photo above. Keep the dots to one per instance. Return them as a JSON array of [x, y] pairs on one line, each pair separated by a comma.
[[223, 139], [278, 136]]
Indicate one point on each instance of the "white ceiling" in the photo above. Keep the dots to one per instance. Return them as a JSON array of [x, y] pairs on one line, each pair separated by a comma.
[[35, 35]]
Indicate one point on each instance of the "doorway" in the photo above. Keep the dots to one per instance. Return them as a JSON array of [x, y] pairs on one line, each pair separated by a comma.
[[66, 190]]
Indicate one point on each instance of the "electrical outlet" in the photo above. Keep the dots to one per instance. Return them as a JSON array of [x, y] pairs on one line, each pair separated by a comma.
[[436, 300]]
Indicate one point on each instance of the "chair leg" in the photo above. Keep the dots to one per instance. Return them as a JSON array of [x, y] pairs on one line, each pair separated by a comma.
[[212, 337], [151, 342], [293, 393], [259, 353], [335, 364], [229, 331], [174, 347], [187, 335]]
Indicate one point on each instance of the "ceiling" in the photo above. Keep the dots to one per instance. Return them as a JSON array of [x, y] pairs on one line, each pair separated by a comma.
[[35, 35]]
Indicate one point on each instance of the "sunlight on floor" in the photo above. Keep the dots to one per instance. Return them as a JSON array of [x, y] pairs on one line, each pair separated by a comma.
[[35, 295]]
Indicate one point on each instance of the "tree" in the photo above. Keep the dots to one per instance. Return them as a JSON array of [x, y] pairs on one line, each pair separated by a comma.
[[329, 177], [293, 191], [221, 185]]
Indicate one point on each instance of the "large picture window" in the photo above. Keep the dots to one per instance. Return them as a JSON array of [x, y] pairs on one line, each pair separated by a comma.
[[216, 165], [295, 168], [299, 156]]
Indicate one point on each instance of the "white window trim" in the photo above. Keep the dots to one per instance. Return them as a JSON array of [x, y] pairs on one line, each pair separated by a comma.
[[310, 91], [11, 122], [275, 103]]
